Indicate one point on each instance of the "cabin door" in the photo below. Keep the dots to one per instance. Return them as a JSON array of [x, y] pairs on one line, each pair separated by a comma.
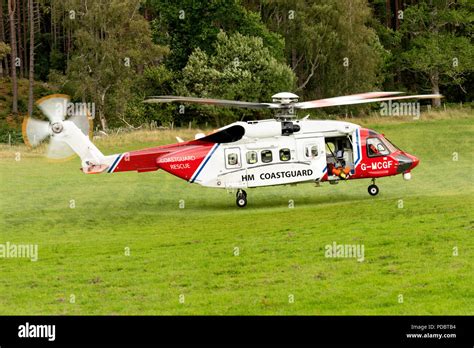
[[314, 151]]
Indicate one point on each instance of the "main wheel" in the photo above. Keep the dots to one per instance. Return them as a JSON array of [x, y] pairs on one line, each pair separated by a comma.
[[241, 198], [373, 190]]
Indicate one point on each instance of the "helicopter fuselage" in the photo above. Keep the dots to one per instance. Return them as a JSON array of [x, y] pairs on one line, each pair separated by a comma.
[[272, 152]]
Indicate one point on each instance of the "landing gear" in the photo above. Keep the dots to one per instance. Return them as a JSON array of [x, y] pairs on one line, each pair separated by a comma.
[[241, 198], [373, 189]]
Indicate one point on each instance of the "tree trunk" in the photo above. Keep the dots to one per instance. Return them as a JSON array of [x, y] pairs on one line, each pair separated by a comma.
[[53, 28], [3, 38], [294, 59], [435, 88], [397, 21], [103, 120], [32, 57], [18, 38], [11, 15], [388, 13], [25, 34]]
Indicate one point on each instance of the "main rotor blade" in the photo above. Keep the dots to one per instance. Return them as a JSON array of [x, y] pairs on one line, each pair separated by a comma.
[[344, 100], [208, 101], [54, 107], [35, 131], [377, 100]]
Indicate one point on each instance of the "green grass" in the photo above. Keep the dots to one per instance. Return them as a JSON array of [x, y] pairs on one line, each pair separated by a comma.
[[190, 251]]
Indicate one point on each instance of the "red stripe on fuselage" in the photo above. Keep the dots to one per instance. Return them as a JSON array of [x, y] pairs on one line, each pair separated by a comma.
[[185, 161], [181, 160]]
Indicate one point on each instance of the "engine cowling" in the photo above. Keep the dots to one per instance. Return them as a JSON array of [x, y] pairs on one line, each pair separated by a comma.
[[270, 129]]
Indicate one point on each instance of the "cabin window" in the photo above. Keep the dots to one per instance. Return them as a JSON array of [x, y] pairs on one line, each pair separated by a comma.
[[375, 148], [252, 157], [232, 159], [285, 155], [311, 151], [267, 156]]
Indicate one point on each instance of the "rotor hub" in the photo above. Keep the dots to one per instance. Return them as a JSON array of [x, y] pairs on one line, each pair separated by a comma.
[[285, 98], [57, 127]]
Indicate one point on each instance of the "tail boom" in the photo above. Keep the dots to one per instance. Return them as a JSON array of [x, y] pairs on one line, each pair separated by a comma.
[[184, 160]]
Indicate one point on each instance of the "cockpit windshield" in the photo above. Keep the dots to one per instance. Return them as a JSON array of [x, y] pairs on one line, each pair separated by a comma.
[[391, 146]]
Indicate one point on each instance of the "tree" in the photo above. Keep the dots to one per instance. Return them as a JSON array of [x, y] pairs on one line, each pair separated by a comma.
[[11, 15], [328, 44], [4, 58], [439, 46], [19, 41], [32, 56], [242, 68], [112, 45], [185, 25]]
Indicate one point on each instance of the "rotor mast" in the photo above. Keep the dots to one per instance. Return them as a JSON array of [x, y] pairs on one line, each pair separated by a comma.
[[287, 111]]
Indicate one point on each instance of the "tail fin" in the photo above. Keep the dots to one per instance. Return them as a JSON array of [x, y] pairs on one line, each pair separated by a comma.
[[93, 161]]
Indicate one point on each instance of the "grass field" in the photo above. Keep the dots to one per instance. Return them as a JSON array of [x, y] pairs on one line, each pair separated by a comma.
[[192, 251]]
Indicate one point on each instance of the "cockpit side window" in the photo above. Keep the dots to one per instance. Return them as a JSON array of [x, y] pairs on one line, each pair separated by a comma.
[[375, 147]]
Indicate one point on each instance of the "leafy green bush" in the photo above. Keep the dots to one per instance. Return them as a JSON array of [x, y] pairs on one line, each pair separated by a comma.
[[10, 135]]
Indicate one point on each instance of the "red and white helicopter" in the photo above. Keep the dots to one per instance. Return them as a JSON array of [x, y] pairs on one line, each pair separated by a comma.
[[279, 151]]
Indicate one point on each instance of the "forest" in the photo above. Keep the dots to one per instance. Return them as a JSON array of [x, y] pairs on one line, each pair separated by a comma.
[[115, 53]]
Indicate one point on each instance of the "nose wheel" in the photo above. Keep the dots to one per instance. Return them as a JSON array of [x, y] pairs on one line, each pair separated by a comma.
[[373, 189], [241, 198]]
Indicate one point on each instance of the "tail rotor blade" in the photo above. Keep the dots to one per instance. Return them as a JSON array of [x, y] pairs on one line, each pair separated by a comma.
[[68, 130], [59, 150], [54, 107], [35, 131]]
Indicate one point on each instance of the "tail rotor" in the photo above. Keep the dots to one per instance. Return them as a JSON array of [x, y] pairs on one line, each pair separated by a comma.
[[57, 110]]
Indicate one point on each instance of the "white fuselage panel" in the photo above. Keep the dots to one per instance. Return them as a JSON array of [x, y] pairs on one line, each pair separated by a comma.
[[272, 159]]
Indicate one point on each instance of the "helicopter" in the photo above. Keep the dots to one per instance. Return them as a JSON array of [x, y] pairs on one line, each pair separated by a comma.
[[245, 154]]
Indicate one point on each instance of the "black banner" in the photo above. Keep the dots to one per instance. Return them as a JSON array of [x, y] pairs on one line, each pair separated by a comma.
[[334, 330]]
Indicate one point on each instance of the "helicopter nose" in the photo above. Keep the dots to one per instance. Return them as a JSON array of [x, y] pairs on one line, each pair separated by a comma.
[[406, 162], [415, 161]]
